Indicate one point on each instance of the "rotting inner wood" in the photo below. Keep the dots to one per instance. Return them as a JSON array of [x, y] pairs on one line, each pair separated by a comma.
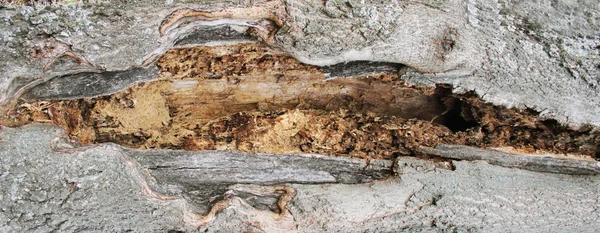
[[253, 99]]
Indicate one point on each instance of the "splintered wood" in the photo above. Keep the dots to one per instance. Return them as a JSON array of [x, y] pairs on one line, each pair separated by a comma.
[[250, 98]]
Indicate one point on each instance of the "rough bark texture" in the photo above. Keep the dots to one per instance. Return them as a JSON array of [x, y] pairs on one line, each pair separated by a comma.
[[540, 55], [534, 55], [103, 189]]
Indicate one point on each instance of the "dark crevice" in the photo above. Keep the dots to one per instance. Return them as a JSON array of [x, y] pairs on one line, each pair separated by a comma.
[[457, 115], [455, 120]]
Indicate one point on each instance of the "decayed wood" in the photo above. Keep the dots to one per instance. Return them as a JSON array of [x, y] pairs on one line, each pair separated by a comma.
[[211, 167], [251, 98], [523, 161]]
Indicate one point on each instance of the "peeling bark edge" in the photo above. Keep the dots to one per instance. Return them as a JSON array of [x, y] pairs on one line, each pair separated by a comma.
[[521, 161]]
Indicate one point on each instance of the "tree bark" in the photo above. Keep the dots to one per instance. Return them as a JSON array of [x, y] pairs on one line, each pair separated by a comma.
[[541, 57]]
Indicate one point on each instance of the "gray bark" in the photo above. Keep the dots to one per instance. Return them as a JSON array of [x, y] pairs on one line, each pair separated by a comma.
[[104, 188], [542, 55]]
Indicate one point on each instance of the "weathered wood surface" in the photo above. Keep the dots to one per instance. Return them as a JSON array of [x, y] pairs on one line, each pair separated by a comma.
[[90, 84], [206, 177], [537, 163], [225, 167]]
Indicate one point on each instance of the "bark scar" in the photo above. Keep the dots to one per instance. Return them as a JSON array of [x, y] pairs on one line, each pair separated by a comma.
[[447, 42], [269, 10], [286, 194]]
